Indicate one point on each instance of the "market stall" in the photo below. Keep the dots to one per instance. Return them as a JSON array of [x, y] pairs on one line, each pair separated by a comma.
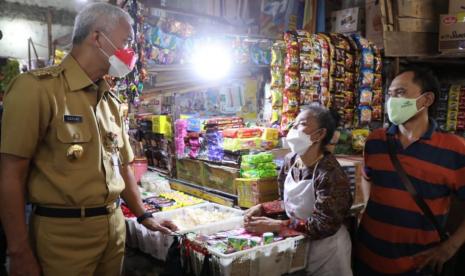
[[208, 113], [217, 88]]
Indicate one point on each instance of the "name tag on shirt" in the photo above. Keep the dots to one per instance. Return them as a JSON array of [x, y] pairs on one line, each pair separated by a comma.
[[116, 163], [72, 119]]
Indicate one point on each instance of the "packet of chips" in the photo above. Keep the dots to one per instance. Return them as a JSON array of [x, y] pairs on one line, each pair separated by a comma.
[[258, 158], [359, 137], [292, 81], [276, 97]]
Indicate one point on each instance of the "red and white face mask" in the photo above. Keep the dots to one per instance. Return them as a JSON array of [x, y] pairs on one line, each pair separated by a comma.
[[122, 62]]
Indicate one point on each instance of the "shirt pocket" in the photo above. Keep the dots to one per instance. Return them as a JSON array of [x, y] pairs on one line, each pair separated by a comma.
[[115, 128], [69, 135]]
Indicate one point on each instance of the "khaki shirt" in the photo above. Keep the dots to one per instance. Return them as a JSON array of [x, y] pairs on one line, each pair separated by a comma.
[[47, 111]]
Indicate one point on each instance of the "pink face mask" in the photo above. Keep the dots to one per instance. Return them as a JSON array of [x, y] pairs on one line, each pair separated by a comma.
[[122, 62]]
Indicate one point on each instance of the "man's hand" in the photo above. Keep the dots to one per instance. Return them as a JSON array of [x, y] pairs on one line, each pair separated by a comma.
[[436, 257], [254, 211], [165, 226], [24, 264], [262, 225]]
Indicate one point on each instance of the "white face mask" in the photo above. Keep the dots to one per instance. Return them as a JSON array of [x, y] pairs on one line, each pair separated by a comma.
[[298, 141]]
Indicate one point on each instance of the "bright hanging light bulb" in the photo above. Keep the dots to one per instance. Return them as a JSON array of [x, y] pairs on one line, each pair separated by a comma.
[[212, 60]]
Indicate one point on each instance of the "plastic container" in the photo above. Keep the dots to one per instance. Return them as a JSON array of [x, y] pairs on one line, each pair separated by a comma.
[[140, 167], [157, 244], [278, 258]]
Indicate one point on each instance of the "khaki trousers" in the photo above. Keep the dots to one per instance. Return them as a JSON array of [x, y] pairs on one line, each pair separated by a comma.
[[75, 246]]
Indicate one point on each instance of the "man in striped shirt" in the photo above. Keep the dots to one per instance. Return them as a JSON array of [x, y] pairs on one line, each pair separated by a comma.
[[395, 237]]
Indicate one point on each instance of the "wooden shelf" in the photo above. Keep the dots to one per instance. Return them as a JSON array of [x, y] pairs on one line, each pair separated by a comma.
[[204, 192], [194, 189], [449, 58], [189, 67], [164, 173], [157, 5]]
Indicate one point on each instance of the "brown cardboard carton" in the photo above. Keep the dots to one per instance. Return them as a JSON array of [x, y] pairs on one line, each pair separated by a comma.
[[418, 25], [416, 9], [451, 34], [346, 21], [220, 178], [190, 170], [251, 192], [456, 6]]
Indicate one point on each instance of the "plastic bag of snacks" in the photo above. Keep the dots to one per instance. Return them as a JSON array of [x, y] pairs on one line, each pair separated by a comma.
[[242, 133], [359, 137], [259, 166], [152, 182], [258, 158], [235, 144], [259, 173]]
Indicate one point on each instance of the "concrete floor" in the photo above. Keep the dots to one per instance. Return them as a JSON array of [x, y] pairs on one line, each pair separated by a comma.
[[137, 263]]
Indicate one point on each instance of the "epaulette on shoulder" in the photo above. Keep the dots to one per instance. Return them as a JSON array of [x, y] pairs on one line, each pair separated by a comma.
[[48, 72]]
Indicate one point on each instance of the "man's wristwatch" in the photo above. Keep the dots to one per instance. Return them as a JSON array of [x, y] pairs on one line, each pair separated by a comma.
[[143, 217]]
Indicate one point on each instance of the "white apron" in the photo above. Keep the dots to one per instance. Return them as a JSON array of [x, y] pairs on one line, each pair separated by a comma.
[[330, 256]]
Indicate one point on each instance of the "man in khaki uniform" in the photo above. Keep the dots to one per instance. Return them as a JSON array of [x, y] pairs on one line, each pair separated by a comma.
[[65, 146]]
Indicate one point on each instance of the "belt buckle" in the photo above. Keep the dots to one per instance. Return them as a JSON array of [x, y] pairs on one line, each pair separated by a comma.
[[111, 208]]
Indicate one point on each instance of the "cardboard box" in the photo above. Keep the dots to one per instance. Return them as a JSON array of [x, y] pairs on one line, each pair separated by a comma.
[[190, 170], [456, 6], [251, 192], [451, 34], [220, 178], [417, 9], [418, 25], [346, 21], [407, 44]]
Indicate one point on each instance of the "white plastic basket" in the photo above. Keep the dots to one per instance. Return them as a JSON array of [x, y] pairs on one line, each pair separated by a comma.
[[286, 256], [157, 244]]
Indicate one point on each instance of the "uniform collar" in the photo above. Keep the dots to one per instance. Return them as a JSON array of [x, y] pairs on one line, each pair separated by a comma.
[[74, 74], [432, 126]]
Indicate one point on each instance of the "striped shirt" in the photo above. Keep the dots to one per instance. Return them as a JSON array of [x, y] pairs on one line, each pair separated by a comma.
[[393, 227]]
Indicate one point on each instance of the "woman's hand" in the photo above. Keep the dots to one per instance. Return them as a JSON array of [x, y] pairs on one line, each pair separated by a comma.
[[262, 224], [254, 211]]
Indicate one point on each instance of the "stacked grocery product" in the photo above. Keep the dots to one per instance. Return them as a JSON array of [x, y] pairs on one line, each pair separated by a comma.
[[250, 139], [291, 93], [158, 148], [310, 68], [456, 109], [335, 70], [181, 134], [214, 140], [343, 98], [442, 106], [278, 54], [221, 123], [231, 241], [164, 202], [258, 166], [370, 96]]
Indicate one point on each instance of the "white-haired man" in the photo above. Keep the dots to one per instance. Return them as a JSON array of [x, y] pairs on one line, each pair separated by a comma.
[[65, 147]]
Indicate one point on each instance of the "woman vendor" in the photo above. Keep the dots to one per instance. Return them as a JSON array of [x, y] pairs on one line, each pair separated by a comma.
[[315, 195]]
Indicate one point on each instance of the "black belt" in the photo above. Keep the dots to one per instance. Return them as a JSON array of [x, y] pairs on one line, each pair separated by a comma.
[[75, 213]]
